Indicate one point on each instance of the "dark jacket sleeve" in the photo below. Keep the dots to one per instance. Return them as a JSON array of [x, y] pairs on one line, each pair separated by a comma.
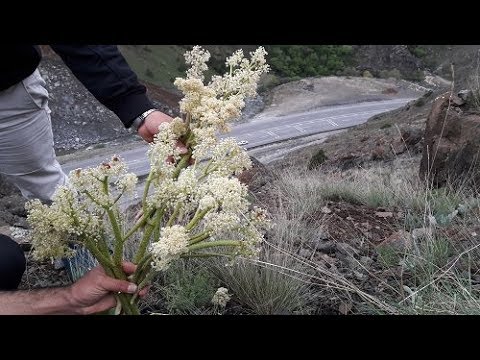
[[103, 70]]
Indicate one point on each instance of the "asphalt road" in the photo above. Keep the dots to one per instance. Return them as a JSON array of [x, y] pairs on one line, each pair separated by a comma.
[[271, 130]]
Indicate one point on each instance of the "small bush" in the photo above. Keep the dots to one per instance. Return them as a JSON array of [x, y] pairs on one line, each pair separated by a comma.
[[419, 102], [309, 60], [393, 73], [349, 71], [367, 74], [416, 75], [266, 290], [318, 159], [187, 288], [418, 51]]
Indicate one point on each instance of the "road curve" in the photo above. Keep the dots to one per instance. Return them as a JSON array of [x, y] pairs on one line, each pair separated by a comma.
[[270, 130]]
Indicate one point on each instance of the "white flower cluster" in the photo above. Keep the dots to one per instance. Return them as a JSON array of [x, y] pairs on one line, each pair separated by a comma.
[[188, 209], [163, 151], [67, 219], [78, 210], [173, 242], [214, 104], [209, 187], [221, 297], [198, 58], [229, 158]]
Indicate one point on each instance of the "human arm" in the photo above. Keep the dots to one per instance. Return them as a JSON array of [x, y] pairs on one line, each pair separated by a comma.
[[103, 70], [91, 294]]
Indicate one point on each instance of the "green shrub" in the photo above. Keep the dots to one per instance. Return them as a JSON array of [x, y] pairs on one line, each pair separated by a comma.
[[416, 75], [418, 51], [393, 73], [308, 60], [318, 159], [367, 74], [187, 288], [419, 102]]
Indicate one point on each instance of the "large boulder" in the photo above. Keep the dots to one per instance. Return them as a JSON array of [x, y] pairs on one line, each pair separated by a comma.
[[452, 143]]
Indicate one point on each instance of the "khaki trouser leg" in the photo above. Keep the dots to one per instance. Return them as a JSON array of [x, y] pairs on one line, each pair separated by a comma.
[[27, 155]]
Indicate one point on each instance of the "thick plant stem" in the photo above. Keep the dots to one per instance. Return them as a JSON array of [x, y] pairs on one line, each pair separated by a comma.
[[142, 268], [200, 237], [155, 228], [142, 284], [174, 215], [145, 191], [129, 308], [144, 244], [110, 270], [183, 163], [146, 238], [204, 255], [139, 224], [158, 219], [198, 216], [211, 244], [118, 248], [103, 259]]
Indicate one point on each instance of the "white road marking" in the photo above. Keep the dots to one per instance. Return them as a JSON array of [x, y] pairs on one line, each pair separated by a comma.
[[272, 134]]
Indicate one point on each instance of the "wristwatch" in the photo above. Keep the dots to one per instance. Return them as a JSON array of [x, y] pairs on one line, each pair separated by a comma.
[[140, 119]]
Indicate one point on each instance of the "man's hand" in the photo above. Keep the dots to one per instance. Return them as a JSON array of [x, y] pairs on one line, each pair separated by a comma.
[[150, 127], [93, 293]]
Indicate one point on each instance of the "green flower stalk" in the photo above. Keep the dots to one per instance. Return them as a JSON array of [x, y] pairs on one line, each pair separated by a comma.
[[198, 210]]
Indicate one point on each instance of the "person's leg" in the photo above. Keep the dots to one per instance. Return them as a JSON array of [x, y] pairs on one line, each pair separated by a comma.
[[27, 155], [12, 263]]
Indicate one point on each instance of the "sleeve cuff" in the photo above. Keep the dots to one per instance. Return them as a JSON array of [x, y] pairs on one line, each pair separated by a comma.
[[129, 107]]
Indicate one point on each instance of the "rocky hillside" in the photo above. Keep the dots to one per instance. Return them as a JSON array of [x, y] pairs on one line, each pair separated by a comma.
[[465, 59], [78, 119], [388, 60]]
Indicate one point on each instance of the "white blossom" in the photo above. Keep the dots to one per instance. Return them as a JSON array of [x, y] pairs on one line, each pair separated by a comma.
[[198, 58], [173, 242], [127, 183], [221, 297]]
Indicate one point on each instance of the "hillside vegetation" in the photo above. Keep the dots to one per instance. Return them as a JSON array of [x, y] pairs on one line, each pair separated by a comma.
[[161, 64]]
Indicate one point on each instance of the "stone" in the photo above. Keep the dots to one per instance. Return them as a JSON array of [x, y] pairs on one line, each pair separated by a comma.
[[399, 240], [366, 261], [306, 253], [421, 233], [464, 94], [326, 247], [325, 210], [384, 214], [346, 249], [451, 146]]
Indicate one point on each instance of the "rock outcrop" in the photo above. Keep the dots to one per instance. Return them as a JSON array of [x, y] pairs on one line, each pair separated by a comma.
[[375, 58], [452, 143]]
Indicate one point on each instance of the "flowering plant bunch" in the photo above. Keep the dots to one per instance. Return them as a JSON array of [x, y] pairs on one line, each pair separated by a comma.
[[188, 210]]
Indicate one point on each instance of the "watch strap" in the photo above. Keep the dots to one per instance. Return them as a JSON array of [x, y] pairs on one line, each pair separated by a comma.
[[140, 119]]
